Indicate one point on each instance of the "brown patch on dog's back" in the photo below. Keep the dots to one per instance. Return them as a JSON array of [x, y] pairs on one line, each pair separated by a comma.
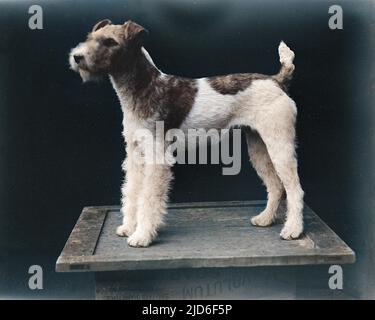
[[234, 83]]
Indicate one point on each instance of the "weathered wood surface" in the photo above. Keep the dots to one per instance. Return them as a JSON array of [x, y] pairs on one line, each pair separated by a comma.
[[215, 234]]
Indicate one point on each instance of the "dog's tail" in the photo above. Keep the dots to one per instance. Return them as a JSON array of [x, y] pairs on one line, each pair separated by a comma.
[[287, 67]]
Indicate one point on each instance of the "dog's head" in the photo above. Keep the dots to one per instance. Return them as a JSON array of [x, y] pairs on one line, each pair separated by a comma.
[[107, 48]]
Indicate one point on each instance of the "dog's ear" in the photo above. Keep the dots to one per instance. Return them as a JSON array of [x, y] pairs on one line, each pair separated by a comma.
[[101, 24], [135, 32]]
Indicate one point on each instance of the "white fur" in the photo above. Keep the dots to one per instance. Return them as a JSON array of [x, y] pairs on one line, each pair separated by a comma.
[[265, 108], [145, 190], [286, 54], [272, 113], [217, 115]]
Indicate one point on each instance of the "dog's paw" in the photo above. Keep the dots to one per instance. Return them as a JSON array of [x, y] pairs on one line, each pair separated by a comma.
[[263, 219], [291, 231], [125, 230], [140, 239]]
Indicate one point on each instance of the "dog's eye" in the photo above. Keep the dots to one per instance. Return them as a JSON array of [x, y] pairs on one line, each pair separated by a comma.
[[109, 42]]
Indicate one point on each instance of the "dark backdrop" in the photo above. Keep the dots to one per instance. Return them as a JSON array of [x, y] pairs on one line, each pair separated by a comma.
[[61, 145]]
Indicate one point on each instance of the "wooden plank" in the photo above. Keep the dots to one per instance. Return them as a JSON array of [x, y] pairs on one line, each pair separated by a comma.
[[83, 239], [200, 235]]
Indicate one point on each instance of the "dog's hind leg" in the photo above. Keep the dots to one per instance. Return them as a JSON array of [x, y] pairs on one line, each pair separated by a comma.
[[261, 162], [277, 130]]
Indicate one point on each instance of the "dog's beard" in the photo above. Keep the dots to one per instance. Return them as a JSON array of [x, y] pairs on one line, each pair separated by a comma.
[[88, 76]]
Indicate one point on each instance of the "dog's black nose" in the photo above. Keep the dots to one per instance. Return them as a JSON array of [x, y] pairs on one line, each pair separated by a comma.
[[77, 58]]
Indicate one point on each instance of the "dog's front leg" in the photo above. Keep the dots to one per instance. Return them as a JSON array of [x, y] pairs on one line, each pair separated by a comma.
[[152, 202], [134, 176]]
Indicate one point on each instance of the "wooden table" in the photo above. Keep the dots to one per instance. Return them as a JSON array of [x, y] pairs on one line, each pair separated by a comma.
[[205, 251]]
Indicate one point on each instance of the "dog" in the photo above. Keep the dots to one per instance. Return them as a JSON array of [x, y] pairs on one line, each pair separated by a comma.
[[257, 103]]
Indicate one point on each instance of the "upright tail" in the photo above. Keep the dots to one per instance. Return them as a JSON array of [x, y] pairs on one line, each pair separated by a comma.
[[287, 67]]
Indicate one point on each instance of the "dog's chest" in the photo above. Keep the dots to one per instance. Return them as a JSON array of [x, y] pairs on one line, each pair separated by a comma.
[[134, 126]]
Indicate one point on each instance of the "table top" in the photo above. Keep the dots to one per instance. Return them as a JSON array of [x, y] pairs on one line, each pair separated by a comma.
[[205, 234]]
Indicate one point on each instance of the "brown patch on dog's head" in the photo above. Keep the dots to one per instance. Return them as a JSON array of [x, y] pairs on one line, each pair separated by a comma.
[[101, 24], [134, 33], [107, 49]]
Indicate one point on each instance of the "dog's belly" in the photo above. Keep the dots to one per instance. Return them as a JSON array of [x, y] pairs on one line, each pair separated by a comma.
[[210, 109]]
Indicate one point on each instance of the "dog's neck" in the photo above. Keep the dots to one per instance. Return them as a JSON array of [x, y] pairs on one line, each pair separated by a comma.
[[134, 78]]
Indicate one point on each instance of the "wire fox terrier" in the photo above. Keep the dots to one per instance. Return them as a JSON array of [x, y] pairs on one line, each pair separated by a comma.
[[257, 103]]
